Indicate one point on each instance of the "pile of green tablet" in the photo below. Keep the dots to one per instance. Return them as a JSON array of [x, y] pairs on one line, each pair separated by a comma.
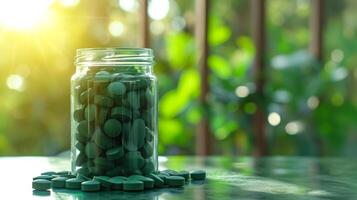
[[115, 123], [159, 179]]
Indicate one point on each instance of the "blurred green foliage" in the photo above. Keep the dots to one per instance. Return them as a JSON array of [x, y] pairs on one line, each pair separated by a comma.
[[315, 101]]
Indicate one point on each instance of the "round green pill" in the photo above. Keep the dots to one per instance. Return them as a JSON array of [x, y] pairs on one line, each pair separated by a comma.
[[184, 174], [103, 101], [118, 182], [41, 184], [85, 82], [59, 182], [139, 130], [121, 113], [91, 150], [102, 77], [89, 112], [133, 161], [112, 128], [134, 100], [198, 175], [102, 114], [86, 96], [175, 181], [164, 173], [83, 129], [133, 185], [170, 172], [90, 186], [83, 170], [135, 138], [66, 174], [83, 177], [102, 140], [73, 183], [103, 163], [146, 151], [158, 182], [116, 171], [163, 177], [104, 181], [146, 99], [78, 114], [148, 167], [115, 153], [81, 138], [45, 177], [148, 182], [101, 80], [116, 89], [50, 173], [63, 173]]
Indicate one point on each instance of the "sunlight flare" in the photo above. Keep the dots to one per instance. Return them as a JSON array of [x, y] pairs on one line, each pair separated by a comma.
[[23, 14]]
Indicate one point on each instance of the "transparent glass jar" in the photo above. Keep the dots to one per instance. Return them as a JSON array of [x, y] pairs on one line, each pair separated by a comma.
[[114, 112]]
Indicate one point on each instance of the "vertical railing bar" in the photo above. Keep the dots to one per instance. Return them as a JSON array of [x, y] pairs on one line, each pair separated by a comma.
[[316, 27], [144, 40], [203, 137], [258, 32]]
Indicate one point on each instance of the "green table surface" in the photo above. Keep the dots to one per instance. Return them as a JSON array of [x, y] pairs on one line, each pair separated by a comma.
[[228, 178]]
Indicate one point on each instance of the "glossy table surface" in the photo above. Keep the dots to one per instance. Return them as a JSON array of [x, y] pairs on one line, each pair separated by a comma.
[[228, 178]]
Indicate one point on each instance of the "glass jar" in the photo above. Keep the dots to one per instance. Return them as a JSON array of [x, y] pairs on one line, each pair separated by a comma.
[[114, 112]]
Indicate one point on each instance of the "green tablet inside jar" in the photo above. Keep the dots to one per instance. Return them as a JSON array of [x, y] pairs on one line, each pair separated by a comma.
[[114, 112]]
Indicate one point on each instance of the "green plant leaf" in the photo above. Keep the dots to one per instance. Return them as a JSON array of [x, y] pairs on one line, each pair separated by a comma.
[[174, 101], [218, 33], [177, 45], [219, 66], [171, 128]]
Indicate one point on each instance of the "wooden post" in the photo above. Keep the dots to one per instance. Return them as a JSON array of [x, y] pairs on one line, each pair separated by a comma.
[[203, 137], [144, 40], [316, 27], [258, 19]]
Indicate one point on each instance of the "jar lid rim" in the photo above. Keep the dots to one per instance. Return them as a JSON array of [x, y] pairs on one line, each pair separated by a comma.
[[115, 49], [114, 55]]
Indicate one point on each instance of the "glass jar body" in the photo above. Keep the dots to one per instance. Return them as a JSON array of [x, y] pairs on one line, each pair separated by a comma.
[[114, 118]]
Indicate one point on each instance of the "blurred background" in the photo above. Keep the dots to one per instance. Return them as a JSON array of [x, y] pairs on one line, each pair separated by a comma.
[[309, 104]]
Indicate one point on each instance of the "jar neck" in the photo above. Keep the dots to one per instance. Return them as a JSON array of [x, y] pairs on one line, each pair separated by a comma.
[[129, 69], [124, 60]]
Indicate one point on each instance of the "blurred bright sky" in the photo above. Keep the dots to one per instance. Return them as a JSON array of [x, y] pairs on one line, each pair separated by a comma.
[[25, 14]]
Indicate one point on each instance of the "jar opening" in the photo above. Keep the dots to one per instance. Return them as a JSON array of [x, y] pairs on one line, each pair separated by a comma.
[[113, 56]]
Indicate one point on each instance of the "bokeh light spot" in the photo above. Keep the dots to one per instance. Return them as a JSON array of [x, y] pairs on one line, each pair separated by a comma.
[[242, 91], [116, 28], [274, 119], [294, 127], [158, 9], [128, 5], [337, 55], [157, 27], [15, 82], [312, 102]]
